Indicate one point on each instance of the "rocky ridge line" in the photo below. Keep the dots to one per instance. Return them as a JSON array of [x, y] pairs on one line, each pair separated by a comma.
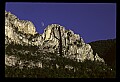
[[24, 33]]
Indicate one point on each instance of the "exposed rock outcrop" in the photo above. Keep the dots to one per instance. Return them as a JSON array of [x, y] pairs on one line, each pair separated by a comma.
[[24, 33]]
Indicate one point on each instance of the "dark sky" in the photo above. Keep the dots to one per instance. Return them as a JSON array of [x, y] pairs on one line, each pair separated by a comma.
[[93, 22]]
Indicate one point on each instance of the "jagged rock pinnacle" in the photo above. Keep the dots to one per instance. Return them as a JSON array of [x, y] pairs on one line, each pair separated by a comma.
[[24, 33], [22, 25]]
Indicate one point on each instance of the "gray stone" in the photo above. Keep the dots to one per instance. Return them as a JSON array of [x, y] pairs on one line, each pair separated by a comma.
[[24, 33]]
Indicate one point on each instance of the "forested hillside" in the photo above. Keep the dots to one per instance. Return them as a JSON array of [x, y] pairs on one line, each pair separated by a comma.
[[106, 49]]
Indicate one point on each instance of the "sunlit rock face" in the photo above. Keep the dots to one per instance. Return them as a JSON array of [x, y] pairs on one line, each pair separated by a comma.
[[73, 45], [24, 33], [22, 25], [16, 29]]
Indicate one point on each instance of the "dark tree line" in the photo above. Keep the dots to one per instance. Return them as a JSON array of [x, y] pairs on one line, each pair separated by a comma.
[[106, 49]]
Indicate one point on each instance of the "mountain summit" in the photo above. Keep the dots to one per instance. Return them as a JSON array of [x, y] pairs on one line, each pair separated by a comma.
[[55, 39]]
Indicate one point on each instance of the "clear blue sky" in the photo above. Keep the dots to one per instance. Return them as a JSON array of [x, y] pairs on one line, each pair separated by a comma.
[[93, 21]]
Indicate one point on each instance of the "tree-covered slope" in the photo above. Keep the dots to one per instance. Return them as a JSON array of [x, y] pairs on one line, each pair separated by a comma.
[[66, 68], [106, 49]]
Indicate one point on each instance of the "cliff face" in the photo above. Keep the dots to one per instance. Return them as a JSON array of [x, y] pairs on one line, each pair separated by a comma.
[[24, 33]]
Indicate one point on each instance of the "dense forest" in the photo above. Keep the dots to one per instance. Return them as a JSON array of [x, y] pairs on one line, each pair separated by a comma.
[[106, 50], [87, 69]]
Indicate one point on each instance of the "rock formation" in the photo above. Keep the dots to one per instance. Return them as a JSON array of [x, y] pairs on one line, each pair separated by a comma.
[[24, 33]]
